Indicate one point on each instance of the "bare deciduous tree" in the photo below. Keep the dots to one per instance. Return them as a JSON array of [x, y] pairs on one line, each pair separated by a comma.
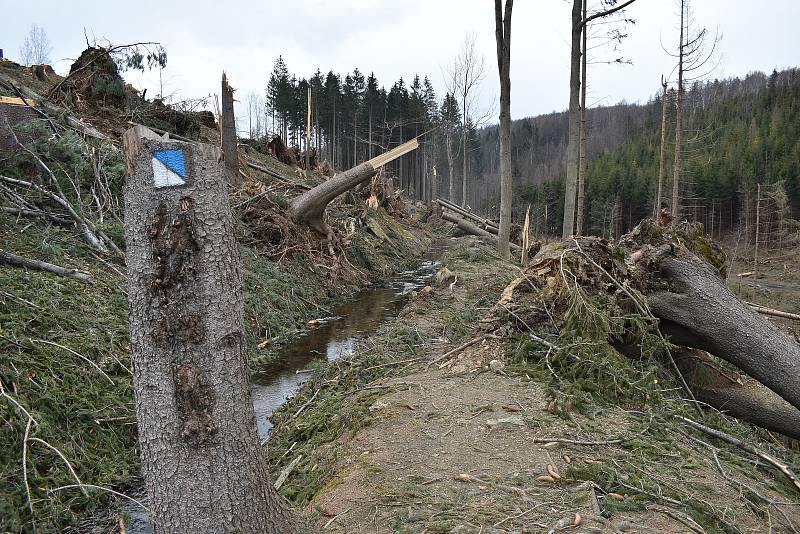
[[36, 47], [465, 75], [503, 34]]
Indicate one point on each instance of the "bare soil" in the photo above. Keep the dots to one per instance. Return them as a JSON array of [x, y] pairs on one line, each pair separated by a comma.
[[462, 445]]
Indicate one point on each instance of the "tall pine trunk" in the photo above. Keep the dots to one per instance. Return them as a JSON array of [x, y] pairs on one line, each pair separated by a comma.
[[503, 36], [573, 144], [676, 176], [660, 191], [583, 161]]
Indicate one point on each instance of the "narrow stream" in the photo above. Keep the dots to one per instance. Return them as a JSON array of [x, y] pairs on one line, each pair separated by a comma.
[[335, 337]]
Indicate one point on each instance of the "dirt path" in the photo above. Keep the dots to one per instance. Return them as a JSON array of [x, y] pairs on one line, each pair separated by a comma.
[[461, 446]]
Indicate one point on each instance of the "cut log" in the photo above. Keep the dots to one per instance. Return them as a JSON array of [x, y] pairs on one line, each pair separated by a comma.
[[472, 229], [309, 208], [486, 224], [701, 312]]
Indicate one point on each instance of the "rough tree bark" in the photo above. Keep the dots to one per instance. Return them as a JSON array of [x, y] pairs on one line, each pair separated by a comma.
[[309, 208], [201, 459], [503, 37], [228, 125], [699, 311]]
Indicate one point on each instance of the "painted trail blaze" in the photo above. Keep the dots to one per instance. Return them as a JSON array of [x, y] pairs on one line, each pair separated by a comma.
[[169, 168]]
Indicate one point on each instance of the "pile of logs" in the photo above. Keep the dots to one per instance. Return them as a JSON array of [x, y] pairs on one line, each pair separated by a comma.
[[470, 223]]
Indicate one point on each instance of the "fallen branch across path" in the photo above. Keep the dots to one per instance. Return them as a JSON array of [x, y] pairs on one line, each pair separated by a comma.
[[462, 347], [18, 261], [763, 310], [780, 466]]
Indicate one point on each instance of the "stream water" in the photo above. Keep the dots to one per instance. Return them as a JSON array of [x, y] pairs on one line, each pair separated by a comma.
[[335, 337]]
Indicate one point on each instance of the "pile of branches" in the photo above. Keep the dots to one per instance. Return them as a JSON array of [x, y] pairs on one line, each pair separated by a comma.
[[657, 298], [93, 79]]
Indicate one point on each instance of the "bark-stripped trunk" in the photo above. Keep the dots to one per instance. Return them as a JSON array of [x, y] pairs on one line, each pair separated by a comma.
[[583, 160], [676, 172], [503, 36], [573, 146], [659, 194], [201, 459]]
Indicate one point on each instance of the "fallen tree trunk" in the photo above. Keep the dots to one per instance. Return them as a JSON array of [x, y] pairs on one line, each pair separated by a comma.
[[309, 208], [470, 228], [727, 391], [701, 312], [486, 224], [739, 396]]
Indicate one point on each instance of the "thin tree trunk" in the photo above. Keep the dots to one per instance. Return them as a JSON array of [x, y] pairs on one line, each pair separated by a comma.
[[659, 194], [583, 162], [573, 143], [676, 172], [450, 168], [503, 36]]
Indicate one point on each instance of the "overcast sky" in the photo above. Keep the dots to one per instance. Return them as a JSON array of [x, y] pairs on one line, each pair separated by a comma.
[[402, 38]]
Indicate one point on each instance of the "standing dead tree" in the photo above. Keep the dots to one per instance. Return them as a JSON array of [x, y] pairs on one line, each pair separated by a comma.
[[695, 51], [309, 208], [503, 35]]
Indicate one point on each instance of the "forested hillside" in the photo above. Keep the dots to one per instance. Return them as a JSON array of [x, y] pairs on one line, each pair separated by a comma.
[[737, 132]]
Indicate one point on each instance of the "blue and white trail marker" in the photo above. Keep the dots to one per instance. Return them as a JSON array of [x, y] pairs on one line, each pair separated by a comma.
[[169, 168]]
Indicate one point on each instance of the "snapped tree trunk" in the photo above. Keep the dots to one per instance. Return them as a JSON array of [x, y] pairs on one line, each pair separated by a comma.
[[309, 208], [202, 463], [503, 37], [229, 149]]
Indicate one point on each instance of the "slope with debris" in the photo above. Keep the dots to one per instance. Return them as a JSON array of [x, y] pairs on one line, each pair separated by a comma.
[[68, 437], [496, 403]]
